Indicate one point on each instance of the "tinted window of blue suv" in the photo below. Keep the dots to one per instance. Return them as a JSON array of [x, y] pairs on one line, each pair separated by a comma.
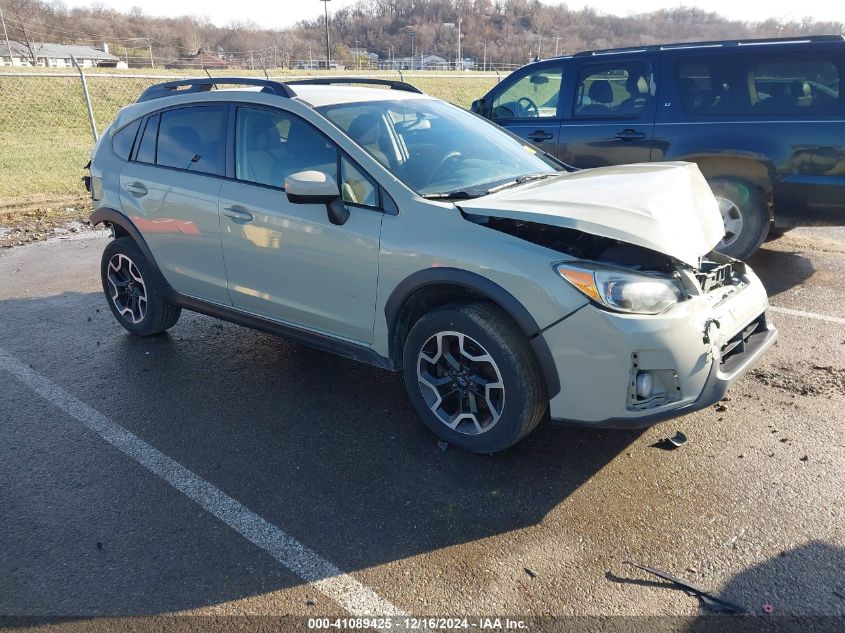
[[760, 86]]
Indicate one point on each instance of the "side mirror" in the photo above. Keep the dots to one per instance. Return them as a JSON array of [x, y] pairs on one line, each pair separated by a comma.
[[478, 106], [316, 187]]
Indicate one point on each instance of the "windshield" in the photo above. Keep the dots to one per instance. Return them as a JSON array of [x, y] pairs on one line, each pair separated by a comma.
[[438, 149]]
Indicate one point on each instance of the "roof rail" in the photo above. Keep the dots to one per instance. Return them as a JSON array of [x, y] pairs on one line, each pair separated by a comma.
[[327, 81], [204, 84], [713, 43]]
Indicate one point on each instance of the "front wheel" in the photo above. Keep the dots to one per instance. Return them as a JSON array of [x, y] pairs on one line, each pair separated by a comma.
[[473, 378], [745, 213], [132, 291]]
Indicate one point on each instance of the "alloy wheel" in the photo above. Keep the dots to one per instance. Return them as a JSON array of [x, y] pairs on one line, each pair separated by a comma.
[[461, 383], [128, 291], [732, 217]]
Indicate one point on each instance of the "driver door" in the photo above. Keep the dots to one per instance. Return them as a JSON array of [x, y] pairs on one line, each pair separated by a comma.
[[527, 104], [286, 261]]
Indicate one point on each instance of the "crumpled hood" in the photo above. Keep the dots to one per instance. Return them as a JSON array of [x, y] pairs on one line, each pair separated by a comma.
[[667, 207]]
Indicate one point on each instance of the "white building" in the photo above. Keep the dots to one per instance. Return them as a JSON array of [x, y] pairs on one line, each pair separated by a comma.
[[50, 55]]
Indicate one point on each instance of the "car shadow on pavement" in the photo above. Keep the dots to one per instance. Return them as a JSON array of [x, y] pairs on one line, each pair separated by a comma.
[[806, 580], [781, 270], [328, 449]]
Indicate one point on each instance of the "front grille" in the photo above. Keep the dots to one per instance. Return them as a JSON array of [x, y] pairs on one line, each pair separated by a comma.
[[737, 344]]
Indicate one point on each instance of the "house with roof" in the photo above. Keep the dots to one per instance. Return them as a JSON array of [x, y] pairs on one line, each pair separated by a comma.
[[51, 55], [201, 59]]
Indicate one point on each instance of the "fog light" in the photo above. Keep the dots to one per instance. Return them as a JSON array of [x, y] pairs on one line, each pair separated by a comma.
[[645, 384]]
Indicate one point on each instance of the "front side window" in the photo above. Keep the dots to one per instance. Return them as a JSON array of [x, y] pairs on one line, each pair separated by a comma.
[[436, 148], [533, 96], [355, 187], [191, 138], [619, 89], [271, 145]]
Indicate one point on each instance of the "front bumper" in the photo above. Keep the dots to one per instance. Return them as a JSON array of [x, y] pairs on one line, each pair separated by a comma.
[[593, 351]]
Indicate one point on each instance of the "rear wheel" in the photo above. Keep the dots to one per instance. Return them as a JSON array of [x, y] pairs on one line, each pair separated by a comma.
[[473, 378], [745, 213], [132, 290]]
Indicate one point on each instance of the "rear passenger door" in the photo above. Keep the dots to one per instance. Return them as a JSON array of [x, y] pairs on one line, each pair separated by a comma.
[[169, 189], [286, 261], [611, 112], [527, 104]]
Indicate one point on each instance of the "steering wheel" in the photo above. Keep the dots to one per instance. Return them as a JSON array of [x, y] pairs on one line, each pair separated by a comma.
[[526, 105], [450, 156]]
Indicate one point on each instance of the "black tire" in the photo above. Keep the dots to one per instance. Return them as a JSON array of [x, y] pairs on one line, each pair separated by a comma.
[[524, 395], [749, 202], [776, 233], [144, 318]]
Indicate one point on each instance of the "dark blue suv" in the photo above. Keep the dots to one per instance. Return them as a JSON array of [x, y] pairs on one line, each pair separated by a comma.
[[763, 119]]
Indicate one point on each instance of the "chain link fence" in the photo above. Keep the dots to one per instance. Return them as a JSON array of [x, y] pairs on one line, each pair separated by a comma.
[[46, 137]]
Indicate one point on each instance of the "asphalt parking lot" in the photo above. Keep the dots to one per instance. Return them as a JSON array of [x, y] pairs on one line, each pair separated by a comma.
[[220, 471]]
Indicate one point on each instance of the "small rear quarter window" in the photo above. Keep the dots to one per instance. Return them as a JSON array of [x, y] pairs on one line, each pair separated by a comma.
[[123, 140]]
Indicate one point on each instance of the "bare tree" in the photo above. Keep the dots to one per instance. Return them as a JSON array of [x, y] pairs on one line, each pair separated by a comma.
[[26, 23]]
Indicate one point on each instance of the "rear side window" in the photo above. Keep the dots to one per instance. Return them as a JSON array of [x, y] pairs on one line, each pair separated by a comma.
[[191, 138], [147, 147], [618, 89], [800, 85], [796, 87], [122, 142]]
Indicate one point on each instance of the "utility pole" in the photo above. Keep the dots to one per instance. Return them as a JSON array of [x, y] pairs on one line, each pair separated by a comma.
[[484, 66], [413, 35], [6, 35], [150, 44], [460, 58], [328, 50], [557, 40], [357, 56]]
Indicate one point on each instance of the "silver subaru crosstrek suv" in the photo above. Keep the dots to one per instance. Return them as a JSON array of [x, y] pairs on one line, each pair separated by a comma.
[[394, 228]]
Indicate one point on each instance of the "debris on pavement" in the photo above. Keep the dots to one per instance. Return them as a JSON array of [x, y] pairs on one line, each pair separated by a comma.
[[444, 446], [720, 408], [708, 599], [671, 443], [768, 609], [531, 573]]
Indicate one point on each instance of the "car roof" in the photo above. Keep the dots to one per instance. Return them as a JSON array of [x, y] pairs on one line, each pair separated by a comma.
[[317, 96], [776, 42]]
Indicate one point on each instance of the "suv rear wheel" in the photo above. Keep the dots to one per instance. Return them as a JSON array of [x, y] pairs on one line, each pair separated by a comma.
[[132, 291], [472, 377], [745, 212]]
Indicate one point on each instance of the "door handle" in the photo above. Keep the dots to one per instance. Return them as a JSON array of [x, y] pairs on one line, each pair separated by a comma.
[[237, 212], [630, 135], [539, 135], [137, 189]]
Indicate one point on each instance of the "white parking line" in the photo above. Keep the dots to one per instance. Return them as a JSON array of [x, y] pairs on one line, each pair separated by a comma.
[[305, 563], [807, 315]]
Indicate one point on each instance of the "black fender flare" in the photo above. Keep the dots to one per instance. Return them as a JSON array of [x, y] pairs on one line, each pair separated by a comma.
[[487, 289], [106, 215]]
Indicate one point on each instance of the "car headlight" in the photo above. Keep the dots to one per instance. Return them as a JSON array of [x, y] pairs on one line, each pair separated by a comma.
[[623, 290]]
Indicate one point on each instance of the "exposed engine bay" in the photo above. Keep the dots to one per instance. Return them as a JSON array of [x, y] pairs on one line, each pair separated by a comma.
[[714, 271]]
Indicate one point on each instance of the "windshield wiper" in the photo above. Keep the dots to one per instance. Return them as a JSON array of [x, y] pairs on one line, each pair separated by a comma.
[[523, 179], [464, 194], [458, 194]]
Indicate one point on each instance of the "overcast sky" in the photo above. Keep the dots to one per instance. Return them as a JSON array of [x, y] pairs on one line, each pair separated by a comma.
[[281, 13]]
